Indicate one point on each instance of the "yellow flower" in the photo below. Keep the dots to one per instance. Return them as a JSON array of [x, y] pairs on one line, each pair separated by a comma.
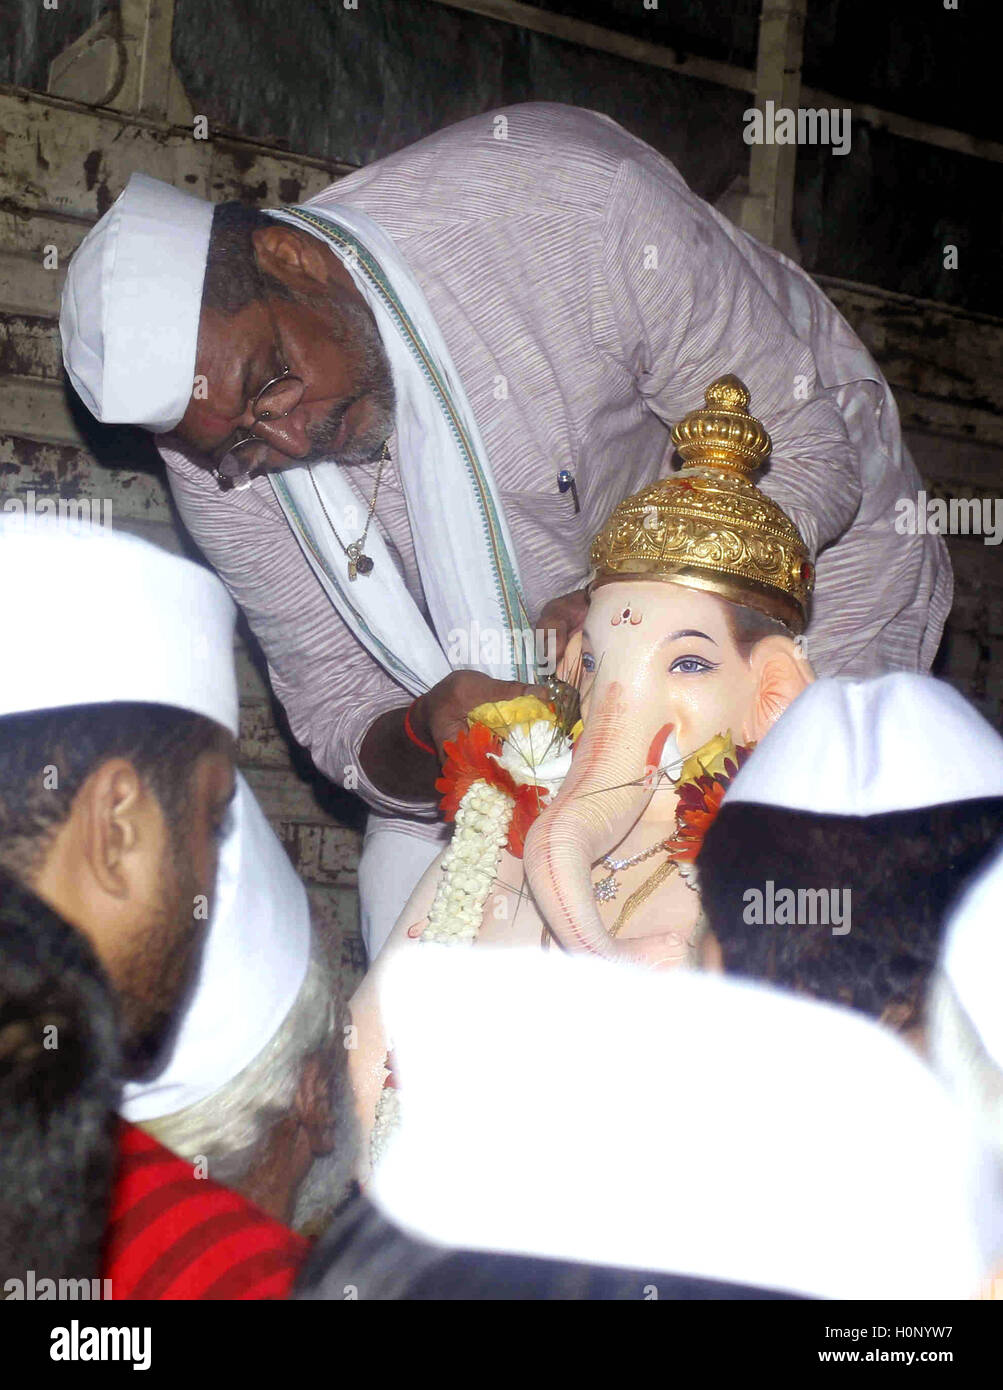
[[502, 716], [709, 759]]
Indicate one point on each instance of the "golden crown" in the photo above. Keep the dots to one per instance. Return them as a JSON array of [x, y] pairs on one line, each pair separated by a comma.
[[708, 526]]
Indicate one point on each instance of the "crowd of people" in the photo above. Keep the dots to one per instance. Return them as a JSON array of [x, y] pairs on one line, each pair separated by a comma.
[[761, 1053], [804, 1132]]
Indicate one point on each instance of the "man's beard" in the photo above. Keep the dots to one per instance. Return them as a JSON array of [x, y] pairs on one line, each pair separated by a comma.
[[353, 324], [156, 980]]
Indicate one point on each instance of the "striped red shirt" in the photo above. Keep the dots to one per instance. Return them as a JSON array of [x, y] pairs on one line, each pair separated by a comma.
[[174, 1236]]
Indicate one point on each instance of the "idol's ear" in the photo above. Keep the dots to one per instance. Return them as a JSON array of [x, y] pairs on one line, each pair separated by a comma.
[[780, 673]]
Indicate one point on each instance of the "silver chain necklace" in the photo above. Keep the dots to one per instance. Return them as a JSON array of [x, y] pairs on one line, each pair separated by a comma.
[[358, 561], [607, 888]]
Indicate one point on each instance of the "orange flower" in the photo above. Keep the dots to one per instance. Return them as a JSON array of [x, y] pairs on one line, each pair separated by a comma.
[[699, 802], [467, 762], [528, 805]]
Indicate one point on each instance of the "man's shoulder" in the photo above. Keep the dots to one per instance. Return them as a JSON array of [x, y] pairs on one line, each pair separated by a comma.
[[175, 1233], [514, 159], [530, 126]]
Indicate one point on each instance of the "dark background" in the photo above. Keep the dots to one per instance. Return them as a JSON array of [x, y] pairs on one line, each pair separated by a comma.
[[353, 85]]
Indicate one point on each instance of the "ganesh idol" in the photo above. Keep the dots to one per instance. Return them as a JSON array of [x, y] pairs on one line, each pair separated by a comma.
[[583, 833]]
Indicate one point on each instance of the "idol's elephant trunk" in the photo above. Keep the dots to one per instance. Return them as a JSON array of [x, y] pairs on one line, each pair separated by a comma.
[[605, 791]]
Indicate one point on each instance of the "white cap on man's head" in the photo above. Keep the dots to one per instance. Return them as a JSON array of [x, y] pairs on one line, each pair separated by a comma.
[[101, 618], [865, 747], [131, 304], [572, 1109]]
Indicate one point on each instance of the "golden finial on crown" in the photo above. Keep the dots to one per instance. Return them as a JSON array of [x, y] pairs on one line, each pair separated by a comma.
[[708, 526]]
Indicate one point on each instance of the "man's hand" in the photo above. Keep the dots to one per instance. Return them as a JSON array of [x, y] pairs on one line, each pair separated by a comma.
[[563, 617], [441, 713], [396, 764]]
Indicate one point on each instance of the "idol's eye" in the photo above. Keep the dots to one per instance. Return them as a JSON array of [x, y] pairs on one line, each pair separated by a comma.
[[691, 666], [588, 662]]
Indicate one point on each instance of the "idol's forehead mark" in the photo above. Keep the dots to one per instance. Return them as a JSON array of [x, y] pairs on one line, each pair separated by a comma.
[[625, 615]]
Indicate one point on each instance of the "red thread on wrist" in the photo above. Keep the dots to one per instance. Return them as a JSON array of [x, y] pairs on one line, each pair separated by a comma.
[[409, 730]]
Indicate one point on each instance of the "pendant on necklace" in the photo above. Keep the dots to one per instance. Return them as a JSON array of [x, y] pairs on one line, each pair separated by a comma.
[[606, 889], [358, 563]]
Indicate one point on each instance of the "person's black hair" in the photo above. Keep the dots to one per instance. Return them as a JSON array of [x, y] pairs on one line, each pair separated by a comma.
[[365, 1256], [230, 282], [46, 756], [748, 626], [903, 870], [58, 1067]]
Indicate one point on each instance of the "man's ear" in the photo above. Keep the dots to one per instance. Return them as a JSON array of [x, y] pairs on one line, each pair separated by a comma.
[[299, 262], [780, 673], [113, 804]]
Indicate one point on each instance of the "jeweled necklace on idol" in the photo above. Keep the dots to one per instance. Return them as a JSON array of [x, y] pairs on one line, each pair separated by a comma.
[[358, 561], [607, 888]]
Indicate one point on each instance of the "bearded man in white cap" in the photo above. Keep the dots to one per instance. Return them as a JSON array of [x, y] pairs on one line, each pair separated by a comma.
[[117, 828], [116, 786], [393, 417], [845, 839]]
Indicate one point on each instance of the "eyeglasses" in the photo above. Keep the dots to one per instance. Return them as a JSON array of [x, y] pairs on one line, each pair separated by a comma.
[[237, 460]]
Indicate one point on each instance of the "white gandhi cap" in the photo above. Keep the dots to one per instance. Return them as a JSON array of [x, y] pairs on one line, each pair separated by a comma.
[[105, 618], [703, 1126], [131, 303], [863, 748]]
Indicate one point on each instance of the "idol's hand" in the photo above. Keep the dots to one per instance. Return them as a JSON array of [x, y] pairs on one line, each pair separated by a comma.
[[440, 714], [665, 952], [562, 617]]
